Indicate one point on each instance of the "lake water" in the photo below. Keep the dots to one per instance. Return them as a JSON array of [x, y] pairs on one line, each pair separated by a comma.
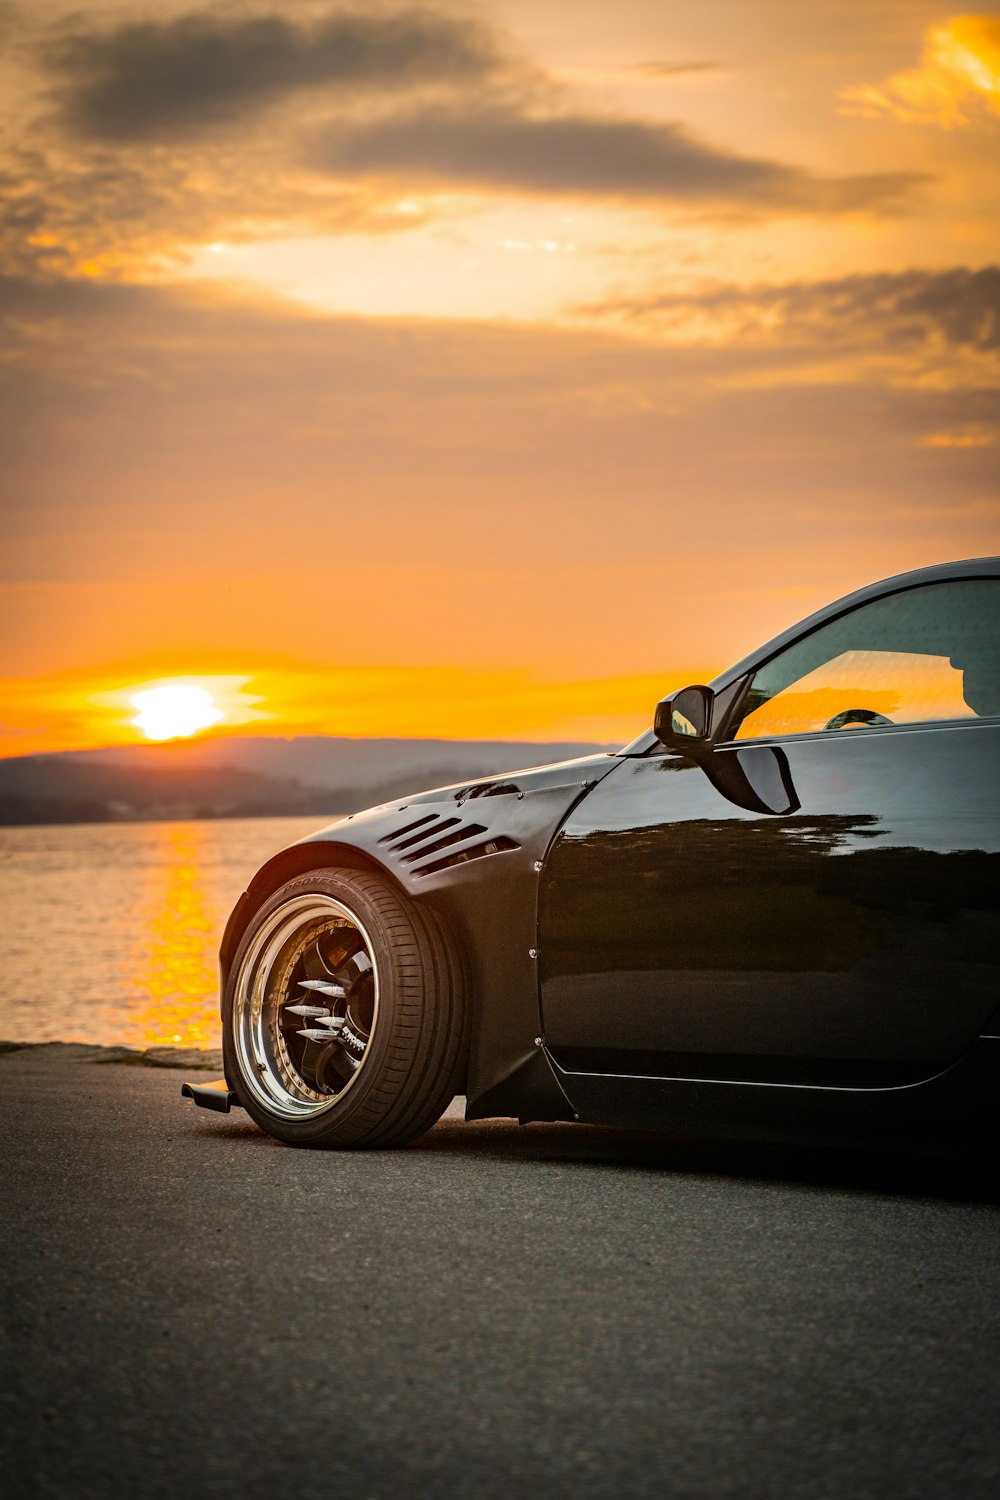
[[110, 931]]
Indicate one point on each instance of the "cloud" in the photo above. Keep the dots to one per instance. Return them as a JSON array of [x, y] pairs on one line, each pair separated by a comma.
[[962, 437], [266, 355], [663, 68], [224, 126], [159, 79], [957, 79], [131, 409], [102, 212], [187, 131], [957, 308], [585, 154]]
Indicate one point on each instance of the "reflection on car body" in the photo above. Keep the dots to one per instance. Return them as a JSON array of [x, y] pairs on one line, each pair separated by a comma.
[[777, 913]]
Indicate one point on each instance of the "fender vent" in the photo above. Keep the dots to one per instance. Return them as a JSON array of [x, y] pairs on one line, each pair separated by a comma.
[[416, 844], [477, 851], [488, 789]]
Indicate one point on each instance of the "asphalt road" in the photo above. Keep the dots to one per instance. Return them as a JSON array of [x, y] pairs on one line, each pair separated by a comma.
[[192, 1309]]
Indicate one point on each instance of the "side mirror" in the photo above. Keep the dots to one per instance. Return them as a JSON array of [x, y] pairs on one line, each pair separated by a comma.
[[683, 722], [757, 777]]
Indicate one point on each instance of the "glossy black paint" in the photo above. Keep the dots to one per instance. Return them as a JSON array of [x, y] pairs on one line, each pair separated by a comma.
[[797, 937], [856, 940], [957, 1107]]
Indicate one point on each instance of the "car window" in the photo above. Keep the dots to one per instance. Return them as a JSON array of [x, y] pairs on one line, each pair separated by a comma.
[[927, 653]]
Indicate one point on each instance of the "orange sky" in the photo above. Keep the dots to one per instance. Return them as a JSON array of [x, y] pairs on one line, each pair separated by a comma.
[[485, 369]]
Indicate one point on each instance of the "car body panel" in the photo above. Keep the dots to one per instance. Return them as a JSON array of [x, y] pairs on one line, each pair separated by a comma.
[[854, 940], [792, 937], [958, 1107]]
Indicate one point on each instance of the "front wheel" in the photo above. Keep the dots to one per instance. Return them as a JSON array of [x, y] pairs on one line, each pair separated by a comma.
[[343, 1017]]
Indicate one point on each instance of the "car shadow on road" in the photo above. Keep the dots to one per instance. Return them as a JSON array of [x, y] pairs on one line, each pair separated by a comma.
[[945, 1174]]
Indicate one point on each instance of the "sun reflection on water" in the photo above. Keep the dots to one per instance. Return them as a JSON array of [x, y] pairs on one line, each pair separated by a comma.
[[134, 913], [172, 965]]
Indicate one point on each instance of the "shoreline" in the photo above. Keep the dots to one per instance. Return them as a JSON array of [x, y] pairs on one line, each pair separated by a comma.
[[89, 1052]]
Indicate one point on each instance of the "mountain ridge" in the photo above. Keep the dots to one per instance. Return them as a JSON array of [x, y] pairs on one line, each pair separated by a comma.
[[251, 776]]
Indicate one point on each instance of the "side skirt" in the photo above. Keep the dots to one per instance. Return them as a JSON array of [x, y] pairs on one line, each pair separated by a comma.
[[961, 1103]]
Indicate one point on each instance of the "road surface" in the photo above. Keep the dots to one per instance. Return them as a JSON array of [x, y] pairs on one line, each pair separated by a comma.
[[192, 1309]]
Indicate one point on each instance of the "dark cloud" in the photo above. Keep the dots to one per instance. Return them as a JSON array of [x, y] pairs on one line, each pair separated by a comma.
[[64, 210], [164, 78], [964, 305], [662, 68], [153, 146], [959, 306], [412, 94], [584, 154]]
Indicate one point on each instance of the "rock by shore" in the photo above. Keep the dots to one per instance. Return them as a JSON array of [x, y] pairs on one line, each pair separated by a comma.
[[149, 1057]]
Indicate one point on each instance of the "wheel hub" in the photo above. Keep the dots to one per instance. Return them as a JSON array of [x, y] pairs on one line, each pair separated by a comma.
[[306, 1005]]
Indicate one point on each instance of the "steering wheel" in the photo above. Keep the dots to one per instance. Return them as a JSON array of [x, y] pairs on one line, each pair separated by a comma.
[[856, 716]]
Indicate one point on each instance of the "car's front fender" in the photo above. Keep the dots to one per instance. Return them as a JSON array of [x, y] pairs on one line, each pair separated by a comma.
[[474, 853]]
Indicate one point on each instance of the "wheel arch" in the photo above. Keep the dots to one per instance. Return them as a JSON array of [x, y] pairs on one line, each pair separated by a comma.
[[486, 908], [318, 854], [298, 859]]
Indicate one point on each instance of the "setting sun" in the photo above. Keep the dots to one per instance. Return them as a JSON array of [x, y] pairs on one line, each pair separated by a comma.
[[170, 713]]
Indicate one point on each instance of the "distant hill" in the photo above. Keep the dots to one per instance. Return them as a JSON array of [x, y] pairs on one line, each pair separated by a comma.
[[258, 776]]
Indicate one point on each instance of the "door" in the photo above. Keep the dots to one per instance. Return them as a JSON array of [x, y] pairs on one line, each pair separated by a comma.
[[854, 940]]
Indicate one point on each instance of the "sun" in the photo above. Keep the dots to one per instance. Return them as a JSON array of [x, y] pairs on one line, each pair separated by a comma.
[[174, 712]]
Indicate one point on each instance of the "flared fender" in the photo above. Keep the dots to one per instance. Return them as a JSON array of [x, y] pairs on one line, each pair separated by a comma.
[[473, 852]]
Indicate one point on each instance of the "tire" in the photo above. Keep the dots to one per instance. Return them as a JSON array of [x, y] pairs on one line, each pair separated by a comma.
[[385, 973]]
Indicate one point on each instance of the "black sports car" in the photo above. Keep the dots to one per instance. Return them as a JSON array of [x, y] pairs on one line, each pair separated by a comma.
[[775, 914]]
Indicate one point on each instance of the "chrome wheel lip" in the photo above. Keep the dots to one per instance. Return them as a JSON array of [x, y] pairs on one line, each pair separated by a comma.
[[257, 1036]]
